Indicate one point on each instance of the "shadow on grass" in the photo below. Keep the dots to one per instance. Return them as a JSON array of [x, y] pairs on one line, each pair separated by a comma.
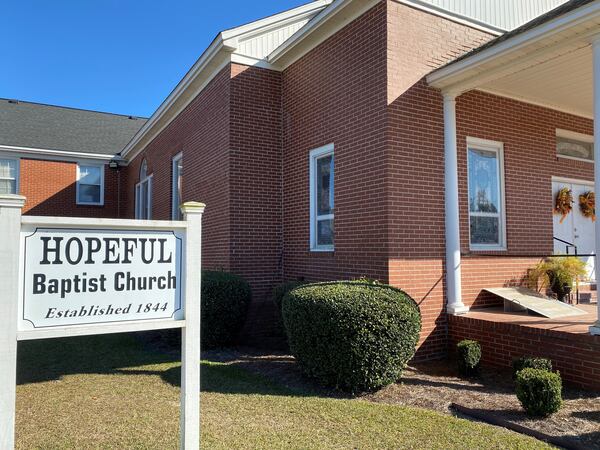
[[127, 354]]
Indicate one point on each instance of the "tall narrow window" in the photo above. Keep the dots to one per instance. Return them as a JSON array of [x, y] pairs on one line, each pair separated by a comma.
[[143, 194], [177, 173], [9, 176], [487, 225], [322, 199], [90, 185]]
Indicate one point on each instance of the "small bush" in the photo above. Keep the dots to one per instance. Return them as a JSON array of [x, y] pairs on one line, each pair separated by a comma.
[[353, 336], [469, 356], [225, 300], [531, 362], [539, 391]]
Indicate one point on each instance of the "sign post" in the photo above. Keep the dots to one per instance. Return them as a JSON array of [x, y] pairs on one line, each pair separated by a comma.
[[62, 277], [190, 334], [10, 227]]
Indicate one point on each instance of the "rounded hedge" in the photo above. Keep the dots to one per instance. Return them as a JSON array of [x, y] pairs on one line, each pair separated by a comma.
[[225, 300], [539, 391], [469, 355], [354, 336], [531, 362]]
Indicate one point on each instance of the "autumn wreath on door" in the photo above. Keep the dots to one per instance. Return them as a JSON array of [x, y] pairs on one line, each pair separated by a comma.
[[587, 205], [564, 203]]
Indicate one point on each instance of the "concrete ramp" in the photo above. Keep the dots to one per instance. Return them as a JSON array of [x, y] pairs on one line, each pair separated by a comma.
[[520, 299]]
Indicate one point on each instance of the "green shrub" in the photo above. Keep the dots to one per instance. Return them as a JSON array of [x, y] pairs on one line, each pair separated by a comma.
[[469, 356], [539, 391], [354, 336], [531, 362], [225, 300], [280, 291]]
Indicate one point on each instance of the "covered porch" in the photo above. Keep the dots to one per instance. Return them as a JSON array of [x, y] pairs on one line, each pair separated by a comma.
[[551, 64], [505, 336]]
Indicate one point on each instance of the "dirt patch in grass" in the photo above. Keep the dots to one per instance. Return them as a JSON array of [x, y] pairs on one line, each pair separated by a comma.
[[436, 385]]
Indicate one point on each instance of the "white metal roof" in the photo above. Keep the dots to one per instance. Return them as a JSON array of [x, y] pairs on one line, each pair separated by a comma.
[[500, 14]]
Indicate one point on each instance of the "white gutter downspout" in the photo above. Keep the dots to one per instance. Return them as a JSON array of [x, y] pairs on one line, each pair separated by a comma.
[[595, 329], [453, 272]]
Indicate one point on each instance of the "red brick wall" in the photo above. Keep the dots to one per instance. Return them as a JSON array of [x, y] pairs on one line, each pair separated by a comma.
[[50, 190], [419, 42], [576, 356], [201, 132], [528, 133], [336, 94], [255, 186]]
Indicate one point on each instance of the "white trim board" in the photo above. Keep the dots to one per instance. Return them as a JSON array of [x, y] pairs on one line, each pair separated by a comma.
[[53, 155]]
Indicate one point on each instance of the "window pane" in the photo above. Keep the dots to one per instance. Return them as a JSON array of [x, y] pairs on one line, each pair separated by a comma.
[[325, 232], [576, 149], [325, 185], [483, 181], [89, 175], [485, 230], [177, 174], [8, 168], [8, 187], [89, 193]]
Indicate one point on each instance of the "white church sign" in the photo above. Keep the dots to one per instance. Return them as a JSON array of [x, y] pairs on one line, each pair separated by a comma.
[[76, 277], [63, 277]]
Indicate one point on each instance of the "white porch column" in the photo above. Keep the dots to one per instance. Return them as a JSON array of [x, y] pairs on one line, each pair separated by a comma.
[[453, 281], [595, 329]]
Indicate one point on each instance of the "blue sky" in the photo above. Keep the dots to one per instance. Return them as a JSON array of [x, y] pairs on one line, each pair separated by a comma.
[[121, 56]]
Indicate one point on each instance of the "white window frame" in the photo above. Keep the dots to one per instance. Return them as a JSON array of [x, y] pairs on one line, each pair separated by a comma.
[[175, 206], [315, 155], [17, 173], [98, 166], [498, 148], [574, 136], [138, 188]]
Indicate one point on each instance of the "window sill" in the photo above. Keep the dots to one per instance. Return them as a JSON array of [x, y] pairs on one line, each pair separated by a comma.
[[89, 204], [487, 249], [322, 250]]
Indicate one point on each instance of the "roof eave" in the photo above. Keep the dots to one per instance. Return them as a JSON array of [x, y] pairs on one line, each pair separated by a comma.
[[460, 76]]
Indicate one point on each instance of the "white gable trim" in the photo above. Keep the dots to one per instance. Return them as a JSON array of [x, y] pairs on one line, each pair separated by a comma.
[[214, 59]]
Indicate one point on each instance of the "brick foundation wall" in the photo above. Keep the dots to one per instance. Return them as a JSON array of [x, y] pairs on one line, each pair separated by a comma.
[[576, 356], [50, 190]]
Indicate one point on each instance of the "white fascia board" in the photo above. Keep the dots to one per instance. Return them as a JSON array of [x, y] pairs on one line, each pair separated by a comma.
[[455, 17], [54, 155], [268, 23], [216, 48], [211, 62], [453, 73]]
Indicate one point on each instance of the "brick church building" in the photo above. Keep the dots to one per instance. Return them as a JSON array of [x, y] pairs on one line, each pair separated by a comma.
[[415, 142]]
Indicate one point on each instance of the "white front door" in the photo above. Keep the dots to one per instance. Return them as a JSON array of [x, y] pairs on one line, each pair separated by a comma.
[[575, 228]]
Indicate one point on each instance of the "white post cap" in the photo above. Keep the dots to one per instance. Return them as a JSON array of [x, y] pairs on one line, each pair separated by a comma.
[[192, 208], [11, 201]]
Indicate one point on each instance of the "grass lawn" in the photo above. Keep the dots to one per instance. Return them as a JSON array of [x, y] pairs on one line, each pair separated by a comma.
[[109, 392]]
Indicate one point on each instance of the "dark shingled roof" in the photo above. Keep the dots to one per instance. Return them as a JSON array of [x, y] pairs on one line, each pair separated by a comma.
[[547, 17], [34, 125]]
